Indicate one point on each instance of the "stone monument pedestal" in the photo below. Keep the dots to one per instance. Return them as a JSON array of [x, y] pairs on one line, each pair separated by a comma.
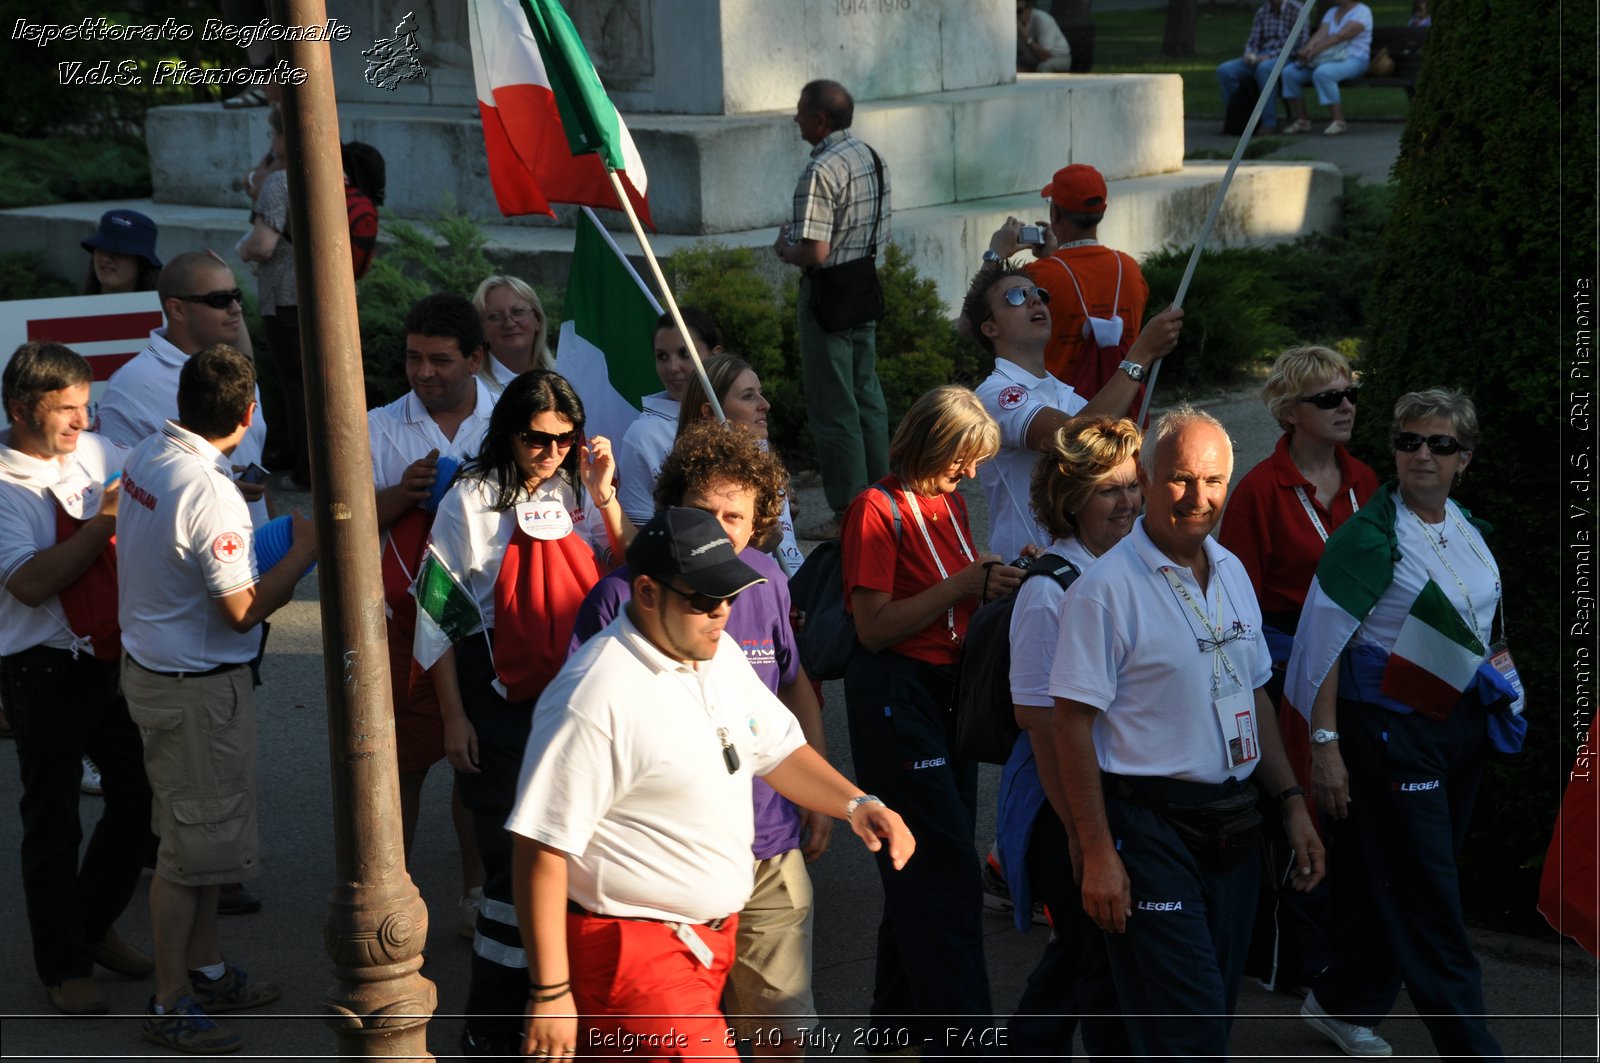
[[708, 89]]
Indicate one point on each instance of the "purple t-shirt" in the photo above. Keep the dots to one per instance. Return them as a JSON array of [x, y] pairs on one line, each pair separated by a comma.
[[759, 623]]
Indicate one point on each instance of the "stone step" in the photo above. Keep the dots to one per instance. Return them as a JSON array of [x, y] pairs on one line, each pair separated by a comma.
[[715, 174], [1267, 202]]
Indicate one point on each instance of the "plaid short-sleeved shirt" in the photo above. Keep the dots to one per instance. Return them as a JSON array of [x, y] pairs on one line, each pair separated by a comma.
[[1271, 28], [837, 198]]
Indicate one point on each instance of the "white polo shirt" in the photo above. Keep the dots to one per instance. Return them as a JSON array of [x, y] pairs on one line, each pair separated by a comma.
[[471, 538], [29, 488], [143, 395], [624, 772], [1013, 396], [403, 432], [183, 519], [645, 445], [1129, 647], [496, 375], [1036, 625]]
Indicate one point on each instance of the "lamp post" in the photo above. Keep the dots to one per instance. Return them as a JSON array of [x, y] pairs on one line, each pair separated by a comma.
[[380, 1004]]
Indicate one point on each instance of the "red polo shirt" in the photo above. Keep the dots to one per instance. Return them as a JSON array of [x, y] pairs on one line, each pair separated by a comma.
[[1269, 530], [876, 561]]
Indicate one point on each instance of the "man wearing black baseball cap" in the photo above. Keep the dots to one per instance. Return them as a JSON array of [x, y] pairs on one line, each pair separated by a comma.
[[633, 822]]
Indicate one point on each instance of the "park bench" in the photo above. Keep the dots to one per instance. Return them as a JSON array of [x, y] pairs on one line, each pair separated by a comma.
[[1404, 44]]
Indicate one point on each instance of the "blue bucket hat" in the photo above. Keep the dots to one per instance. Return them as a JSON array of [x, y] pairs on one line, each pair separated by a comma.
[[125, 232]]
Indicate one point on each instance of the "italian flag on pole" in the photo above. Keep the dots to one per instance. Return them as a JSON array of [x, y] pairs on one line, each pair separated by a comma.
[[446, 613], [604, 350], [549, 128]]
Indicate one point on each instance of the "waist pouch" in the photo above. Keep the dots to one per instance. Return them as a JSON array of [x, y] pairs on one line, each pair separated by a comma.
[[1221, 830]]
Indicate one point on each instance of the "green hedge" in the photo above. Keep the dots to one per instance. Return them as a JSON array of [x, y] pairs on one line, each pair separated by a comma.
[[917, 344], [1247, 304]]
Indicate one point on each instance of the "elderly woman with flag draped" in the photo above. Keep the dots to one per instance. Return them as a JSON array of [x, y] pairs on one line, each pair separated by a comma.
[[1406, 696]]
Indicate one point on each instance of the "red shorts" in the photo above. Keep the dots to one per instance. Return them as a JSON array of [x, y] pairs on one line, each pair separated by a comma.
[[418, 727], [642, 995]]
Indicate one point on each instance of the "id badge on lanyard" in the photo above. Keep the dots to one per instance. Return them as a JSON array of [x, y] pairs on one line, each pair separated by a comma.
[[1500, 657], [1231, 701], [1236, 717]]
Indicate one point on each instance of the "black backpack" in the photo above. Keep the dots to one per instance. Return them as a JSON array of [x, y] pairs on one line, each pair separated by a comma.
[[1240, 105], [985, 724], [828, 637]]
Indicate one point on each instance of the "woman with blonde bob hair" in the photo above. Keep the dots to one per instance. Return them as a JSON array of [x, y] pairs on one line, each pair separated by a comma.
[[514, 329], [913, 578], [1085, 492], [1277, 520]]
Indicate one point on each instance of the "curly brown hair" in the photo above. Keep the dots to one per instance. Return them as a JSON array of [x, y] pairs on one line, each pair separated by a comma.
[[710, 452]]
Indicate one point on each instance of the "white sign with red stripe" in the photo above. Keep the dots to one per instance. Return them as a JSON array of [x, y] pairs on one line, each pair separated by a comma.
[[108, 330]]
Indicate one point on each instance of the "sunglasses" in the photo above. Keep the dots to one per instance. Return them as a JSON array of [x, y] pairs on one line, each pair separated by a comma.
[[1019, 295], [216, 300], [1331, 400], [700, 603], [1410, 443], [539, 440]]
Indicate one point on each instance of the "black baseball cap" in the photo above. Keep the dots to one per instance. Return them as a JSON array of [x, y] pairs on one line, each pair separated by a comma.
[[691, 545]]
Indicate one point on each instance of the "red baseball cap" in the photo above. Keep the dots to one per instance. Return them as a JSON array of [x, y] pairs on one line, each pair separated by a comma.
[[1077, 188]]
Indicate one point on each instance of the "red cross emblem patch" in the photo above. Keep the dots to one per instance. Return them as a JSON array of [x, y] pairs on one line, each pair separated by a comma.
[[227, 547], [1012, 397]]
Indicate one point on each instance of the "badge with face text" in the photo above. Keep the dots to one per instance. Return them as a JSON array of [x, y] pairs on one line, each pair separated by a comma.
[[78, 495], [544, 520]]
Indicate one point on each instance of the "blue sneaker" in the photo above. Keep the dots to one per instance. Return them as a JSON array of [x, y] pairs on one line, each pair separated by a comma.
[[232, 992], [186, 1028]]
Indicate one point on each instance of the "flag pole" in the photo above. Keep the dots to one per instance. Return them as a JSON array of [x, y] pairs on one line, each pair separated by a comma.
[[666, 293], [1262, 101]]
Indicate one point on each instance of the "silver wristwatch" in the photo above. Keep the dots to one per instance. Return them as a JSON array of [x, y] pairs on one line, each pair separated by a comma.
[[1322, 736], [991, 255], [856, 802], [1135, 371]]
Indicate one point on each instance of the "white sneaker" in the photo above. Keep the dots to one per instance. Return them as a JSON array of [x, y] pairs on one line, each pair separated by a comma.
[[1353, 1040], [90, 783]]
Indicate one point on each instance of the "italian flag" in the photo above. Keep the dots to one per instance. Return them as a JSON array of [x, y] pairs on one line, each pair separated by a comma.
[[1435, 657], [604, 350], [550, 130], [446, 612]]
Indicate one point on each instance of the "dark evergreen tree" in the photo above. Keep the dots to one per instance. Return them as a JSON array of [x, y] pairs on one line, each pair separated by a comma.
[[1494, 222]]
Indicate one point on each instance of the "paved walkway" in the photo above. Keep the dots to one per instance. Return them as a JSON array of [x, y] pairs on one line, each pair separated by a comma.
[[1368, 150]]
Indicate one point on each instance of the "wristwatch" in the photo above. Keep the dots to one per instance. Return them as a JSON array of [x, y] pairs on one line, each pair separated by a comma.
[[1135, 371], [991, 255], [857, 801], [1322, 736]]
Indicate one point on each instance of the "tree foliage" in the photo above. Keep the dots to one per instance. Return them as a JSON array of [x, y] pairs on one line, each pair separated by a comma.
[[1469, 294]]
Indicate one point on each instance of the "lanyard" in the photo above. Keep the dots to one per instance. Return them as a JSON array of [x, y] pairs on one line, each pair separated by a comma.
[[1311, 511], [1444, 560], [1078, 243], [916, 515], [1221, 660]]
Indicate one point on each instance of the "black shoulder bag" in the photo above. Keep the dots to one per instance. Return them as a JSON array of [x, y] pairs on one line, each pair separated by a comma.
[[849, 294]]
